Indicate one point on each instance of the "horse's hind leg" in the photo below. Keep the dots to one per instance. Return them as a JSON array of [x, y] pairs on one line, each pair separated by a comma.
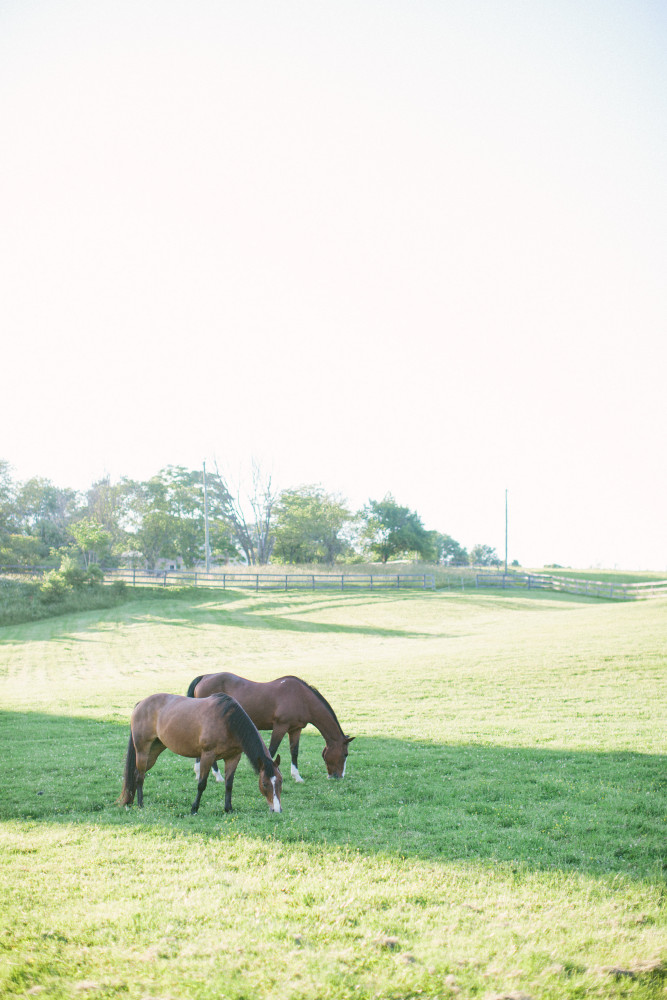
[[204, 768], [145, 760], [294, 752], [214, 768]]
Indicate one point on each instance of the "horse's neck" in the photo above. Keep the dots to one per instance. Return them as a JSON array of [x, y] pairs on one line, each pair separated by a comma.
[[324, 720]]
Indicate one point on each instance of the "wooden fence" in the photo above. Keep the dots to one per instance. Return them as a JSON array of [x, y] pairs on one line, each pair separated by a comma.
[[271, 581], [608, 589], [572, 585]]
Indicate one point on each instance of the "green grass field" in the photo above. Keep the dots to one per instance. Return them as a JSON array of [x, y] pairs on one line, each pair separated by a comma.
[[501, 831]]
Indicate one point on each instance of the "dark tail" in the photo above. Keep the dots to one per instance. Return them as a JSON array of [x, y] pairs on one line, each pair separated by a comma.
[[193, 685], [126, 797]]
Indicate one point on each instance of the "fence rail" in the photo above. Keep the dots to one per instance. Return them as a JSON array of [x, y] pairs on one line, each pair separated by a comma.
[[272, 581], [572, 585], [608, 589]]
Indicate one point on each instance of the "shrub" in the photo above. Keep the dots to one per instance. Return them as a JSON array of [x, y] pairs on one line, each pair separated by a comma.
[[72, 572], [94, 575], [54, 587]]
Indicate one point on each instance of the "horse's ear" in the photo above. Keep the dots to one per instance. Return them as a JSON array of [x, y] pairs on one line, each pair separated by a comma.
[[276, 761], [348, 739]]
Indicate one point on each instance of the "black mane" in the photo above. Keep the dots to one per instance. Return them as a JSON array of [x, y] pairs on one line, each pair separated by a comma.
[[242, 725], [320, 697]]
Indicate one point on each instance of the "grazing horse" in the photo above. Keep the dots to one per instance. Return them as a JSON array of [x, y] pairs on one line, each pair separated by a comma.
[[285, 705], [210, 729]]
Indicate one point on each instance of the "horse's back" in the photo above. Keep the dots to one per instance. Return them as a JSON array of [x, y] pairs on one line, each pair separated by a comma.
[[148, 709], [168, 718], [268, 703], [222, 683]]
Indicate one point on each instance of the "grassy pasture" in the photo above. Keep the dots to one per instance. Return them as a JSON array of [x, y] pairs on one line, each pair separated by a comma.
[[501, 831]]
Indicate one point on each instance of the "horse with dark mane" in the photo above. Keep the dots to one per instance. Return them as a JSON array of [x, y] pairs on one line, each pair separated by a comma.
[[284, 705], [211, 729]]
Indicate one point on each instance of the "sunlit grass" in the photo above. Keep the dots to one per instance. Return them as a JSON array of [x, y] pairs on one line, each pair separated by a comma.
[[501, 829]]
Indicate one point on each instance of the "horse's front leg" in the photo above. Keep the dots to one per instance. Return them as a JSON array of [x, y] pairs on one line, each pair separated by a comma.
[[294, 752], [277, 734], [204, 768], [230, 770]]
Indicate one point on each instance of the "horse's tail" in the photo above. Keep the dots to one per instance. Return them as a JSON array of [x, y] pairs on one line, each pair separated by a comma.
[[126, 797], [193, 685]]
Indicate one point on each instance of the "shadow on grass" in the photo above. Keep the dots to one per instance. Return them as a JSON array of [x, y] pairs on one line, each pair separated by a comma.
[[597, 813], [195, 610]]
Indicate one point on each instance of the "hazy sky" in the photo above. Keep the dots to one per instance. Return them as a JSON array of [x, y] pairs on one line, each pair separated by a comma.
[[410, 247]]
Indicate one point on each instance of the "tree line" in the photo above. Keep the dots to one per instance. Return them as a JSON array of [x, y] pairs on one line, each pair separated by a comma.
[[140, 523]]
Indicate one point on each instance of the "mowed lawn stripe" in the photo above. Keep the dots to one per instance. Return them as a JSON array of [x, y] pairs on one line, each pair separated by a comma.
[[501, 829]]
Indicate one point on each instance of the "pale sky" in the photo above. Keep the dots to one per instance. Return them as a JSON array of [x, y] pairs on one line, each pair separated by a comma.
[[413, 247]]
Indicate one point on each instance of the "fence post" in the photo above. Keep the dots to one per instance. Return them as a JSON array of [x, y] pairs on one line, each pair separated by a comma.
[[398, 581], [342, 581], [313, 581], [164, 582], [257, 582]]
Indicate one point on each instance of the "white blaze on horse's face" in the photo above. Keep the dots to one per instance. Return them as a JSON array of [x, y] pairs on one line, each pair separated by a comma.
[[276, 808], [270, 789]]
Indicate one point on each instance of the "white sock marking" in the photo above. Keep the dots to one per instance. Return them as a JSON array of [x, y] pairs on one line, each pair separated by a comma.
[[296, 775]]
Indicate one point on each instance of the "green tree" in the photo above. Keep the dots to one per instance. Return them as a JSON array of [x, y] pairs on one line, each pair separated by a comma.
[[164, 518], [46, 511], [390, 530], [93, 540], [106, 505], [484, 555], [449, 552], [8, 513], [250, 520], [308, 526]]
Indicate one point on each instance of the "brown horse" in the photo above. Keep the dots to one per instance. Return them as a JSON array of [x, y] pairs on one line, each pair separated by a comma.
[[284, 705], [210, 729]]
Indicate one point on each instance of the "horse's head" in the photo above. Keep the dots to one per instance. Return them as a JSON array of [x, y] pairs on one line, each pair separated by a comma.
[[271, 783], [335, 756]]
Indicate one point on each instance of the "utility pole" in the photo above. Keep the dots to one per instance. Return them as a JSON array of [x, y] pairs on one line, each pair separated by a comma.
[[206, 545], [505, 532]]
